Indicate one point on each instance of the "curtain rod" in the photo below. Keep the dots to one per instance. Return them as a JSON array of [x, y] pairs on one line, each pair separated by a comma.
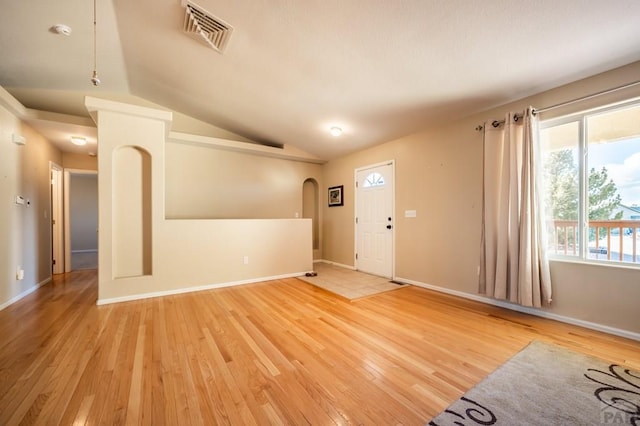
[[496, 123], [585, 98]]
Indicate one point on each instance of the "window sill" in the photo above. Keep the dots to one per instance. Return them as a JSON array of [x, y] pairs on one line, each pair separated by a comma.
[[590, 262]]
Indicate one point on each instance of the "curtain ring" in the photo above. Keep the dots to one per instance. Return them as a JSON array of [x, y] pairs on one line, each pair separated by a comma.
[[495, 123], [516, 118]]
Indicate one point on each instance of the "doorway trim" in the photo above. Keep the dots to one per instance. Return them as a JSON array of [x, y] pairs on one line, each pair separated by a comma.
[[391, 163], [56, 221], [67, 212], [311, 210]]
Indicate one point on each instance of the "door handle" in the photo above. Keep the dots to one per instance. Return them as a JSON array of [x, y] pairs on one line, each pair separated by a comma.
[[389, 227]]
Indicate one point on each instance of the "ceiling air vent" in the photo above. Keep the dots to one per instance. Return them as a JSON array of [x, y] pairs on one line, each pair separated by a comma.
[[204, 26]]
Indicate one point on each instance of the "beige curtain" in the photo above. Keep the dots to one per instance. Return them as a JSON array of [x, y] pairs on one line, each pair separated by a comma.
[[513, 264]]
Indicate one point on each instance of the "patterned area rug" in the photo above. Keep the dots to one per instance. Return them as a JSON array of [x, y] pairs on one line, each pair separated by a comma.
[[548, 385]]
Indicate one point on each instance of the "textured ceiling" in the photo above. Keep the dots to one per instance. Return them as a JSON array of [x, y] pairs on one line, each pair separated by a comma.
[[379, 69]]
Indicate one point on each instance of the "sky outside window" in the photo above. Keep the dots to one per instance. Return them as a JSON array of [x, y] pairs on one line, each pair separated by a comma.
[[622, 161], [614, 143]]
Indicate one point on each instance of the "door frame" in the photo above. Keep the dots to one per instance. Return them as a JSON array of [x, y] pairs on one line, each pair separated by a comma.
[[391, 163], [67, 212], [57, 213]]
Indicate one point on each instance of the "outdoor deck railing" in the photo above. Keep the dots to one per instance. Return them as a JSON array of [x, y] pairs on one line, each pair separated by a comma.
[[608, 239]]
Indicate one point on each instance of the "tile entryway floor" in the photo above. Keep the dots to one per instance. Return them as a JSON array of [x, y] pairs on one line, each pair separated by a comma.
[[348, 283]]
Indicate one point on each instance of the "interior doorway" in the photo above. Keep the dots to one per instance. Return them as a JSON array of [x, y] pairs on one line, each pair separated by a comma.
[[375, 196], [81, 219]]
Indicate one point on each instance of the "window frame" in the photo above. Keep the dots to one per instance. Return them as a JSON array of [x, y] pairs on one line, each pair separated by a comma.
[[581, 117], [376, 180]]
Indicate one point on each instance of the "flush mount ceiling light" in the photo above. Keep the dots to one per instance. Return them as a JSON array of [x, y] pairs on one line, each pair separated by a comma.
[[76, 140], [335, 131]]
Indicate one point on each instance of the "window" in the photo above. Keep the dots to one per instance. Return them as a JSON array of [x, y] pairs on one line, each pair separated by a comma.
[[374, 179], [592, 184]]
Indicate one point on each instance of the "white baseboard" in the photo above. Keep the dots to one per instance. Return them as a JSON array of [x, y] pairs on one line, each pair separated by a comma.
[[194, 289], [85, 251], [353, 268], [24, 293], [524, 309]]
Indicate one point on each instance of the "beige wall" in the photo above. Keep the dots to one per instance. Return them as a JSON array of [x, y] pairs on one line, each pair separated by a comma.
[[25, 230], [36, 179], [185, 254], [79, 161], [180, 122], [439, 174], [221, 184]]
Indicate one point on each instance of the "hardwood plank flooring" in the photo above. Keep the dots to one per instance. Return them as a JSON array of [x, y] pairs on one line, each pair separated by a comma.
[[279, 352]]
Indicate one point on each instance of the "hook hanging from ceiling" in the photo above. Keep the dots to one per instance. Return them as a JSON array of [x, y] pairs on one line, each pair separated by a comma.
[[94, 77]]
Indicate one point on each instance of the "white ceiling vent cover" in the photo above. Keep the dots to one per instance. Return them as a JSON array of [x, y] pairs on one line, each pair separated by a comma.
[[204, 26]]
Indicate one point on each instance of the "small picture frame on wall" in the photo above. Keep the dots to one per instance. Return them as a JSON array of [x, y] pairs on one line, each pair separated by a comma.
[[335, 196]]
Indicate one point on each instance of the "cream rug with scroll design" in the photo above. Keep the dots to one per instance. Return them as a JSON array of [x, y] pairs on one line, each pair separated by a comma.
[[548, 385]]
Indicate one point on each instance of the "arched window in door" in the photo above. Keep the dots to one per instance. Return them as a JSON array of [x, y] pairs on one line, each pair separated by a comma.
[[374, 179]]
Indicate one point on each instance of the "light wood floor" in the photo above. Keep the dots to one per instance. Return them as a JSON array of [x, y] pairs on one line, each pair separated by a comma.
[[281, 352]]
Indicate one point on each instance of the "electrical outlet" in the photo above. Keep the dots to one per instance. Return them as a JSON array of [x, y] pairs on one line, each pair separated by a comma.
[[245, 260], [19, 274]]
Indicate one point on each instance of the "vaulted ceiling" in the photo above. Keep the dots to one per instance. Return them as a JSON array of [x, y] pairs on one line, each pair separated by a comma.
[[379, 69]]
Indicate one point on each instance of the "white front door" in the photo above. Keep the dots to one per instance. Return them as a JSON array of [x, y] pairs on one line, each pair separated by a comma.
[[374, 219]]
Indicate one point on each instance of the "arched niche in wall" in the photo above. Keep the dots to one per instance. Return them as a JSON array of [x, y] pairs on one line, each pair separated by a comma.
[[310, 208], [131, 204]]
